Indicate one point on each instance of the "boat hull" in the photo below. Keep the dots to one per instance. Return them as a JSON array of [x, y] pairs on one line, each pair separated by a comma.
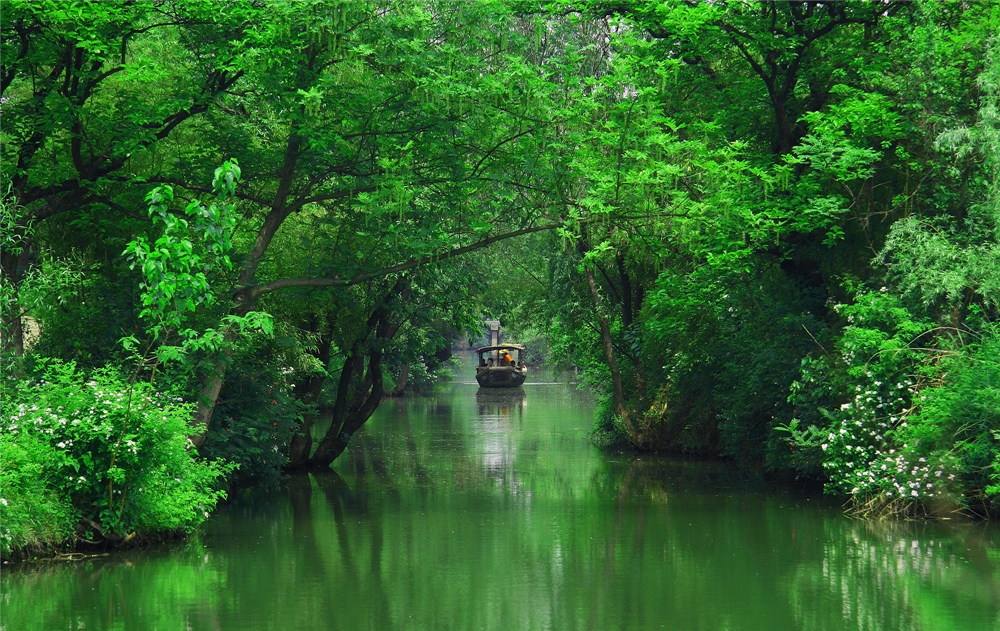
[[501, 376]]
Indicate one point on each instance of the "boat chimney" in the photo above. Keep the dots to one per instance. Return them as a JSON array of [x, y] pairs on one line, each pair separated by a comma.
[[494, 331]]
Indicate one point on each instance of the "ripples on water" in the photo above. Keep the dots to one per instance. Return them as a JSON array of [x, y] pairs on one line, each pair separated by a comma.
[[487, 510]]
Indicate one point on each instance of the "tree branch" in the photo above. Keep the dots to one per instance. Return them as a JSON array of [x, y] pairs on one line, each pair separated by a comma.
[[204, 189], [490, 152], [286, 283]]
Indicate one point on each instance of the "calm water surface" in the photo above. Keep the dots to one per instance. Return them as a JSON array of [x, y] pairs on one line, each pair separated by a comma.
[[467, 510]]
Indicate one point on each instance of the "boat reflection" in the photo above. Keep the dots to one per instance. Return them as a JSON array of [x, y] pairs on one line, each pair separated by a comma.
[[501, 403]]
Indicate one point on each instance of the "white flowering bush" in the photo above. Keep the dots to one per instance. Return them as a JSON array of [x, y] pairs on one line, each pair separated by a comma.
[[866, 453], [118, 453], [866, 410]]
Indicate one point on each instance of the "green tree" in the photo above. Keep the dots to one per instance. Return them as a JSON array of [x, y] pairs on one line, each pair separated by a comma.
[[90, 91]]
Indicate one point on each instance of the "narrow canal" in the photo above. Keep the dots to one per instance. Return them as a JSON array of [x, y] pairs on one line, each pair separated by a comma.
[[466, 510]]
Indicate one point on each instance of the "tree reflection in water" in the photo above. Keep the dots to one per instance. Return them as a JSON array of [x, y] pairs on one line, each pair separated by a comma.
[[461, 512]]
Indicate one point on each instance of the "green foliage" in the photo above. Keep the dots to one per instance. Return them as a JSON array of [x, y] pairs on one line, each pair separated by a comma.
[[958, 419], [177, 265], [943, 265], [872, 381], [81, 306], [33, 516], [713, 170], [736, 340], [839, 145], [118, 454], [907, 413], [718, 218], [257, 412]]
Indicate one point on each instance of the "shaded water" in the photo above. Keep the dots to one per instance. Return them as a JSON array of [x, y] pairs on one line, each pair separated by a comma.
[[491, 510]]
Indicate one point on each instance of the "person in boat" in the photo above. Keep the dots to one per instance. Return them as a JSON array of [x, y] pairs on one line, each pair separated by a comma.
[[505, 359], [489, 362]]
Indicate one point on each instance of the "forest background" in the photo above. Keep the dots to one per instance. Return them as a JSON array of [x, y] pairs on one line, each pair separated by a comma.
[[764, 231]]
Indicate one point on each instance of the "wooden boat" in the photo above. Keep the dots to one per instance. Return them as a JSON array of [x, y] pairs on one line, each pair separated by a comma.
[[501, 366]]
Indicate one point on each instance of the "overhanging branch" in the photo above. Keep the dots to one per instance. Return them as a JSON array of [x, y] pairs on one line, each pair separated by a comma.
[[247, 295], [286, 283]]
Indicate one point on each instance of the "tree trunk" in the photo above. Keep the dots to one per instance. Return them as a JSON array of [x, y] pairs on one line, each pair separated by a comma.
[[631, 304], [207, 398], [627, 311], [616, 374], [12, 266], [357, 414], [353, 365], [404, 374], [301, 445], [243, 301], [336, 441], [785, 126]]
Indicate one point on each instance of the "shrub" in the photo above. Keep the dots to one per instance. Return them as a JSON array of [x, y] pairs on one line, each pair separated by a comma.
[[116, 452], [908, 415], [958, 420], [32, 514]]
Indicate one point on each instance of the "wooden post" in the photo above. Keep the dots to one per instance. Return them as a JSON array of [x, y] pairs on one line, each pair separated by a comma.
[[494, 337]]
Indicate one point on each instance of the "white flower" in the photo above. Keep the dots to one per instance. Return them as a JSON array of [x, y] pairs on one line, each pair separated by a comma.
[[3, 500]]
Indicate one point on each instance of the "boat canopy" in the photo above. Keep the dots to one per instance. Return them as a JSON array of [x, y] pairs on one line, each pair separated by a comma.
[[494, 352], [514, 347]]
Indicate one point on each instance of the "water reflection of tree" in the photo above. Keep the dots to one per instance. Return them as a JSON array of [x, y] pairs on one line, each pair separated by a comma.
[[902, 576], [772, 561], [153, 588], [403, 536], [355, 574], [647, 542]]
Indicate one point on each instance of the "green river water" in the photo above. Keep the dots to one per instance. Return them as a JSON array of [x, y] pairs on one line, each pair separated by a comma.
[[469, 510]]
